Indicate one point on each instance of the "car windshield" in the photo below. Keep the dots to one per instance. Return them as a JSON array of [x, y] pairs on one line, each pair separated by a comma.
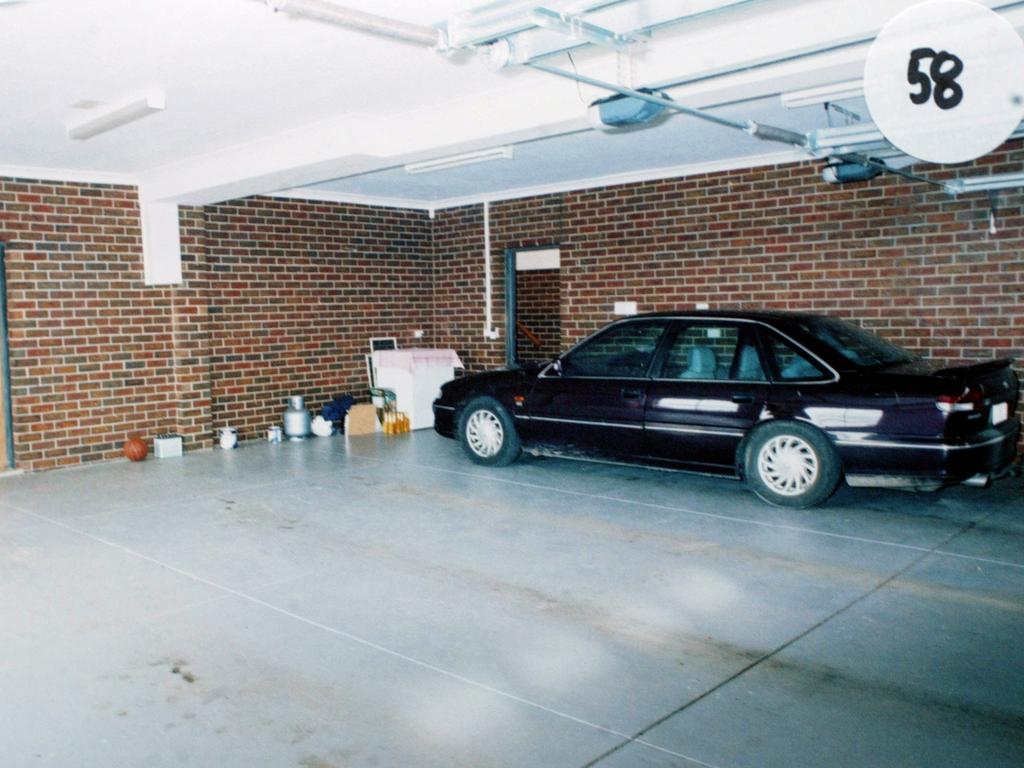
[[860, 347]]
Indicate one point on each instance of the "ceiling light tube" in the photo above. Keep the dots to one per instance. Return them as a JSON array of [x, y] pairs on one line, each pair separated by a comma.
[[456, 161], [102, 120]]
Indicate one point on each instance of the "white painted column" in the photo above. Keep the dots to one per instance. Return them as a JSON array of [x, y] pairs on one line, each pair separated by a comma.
[[161, 243]]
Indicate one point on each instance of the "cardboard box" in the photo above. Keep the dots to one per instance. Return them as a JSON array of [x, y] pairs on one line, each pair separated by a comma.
[[362, 420]]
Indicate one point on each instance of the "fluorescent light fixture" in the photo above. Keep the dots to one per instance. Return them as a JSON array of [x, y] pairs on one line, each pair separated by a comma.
[[103, 120], [456, 161], [825, 94]]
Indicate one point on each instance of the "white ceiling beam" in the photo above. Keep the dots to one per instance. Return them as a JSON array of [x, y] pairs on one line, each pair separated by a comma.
[[161, 243], [535, 106], [333, 147]]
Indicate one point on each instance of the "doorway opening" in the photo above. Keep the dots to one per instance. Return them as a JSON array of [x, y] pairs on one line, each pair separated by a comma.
[[533, 288]]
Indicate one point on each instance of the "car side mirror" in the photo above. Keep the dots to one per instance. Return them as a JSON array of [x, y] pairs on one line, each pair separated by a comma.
[[556, 367]]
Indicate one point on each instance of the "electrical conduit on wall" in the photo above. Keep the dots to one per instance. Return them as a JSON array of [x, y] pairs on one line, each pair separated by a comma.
[[490, 332], [6, 414]]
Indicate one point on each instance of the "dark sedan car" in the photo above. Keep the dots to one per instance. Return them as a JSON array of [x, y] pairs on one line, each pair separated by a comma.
[[792, 403]]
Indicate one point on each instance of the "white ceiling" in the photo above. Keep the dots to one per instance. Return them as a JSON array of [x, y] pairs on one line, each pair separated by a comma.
[[233, 71], [680, 144], [259, 102]]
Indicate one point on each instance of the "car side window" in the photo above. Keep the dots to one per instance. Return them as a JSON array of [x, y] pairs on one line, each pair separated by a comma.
[[624, 351], [792, 364], [701, 351], [713, 351]]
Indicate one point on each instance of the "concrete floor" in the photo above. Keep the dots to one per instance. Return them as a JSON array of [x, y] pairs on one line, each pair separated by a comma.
[[383, 602]]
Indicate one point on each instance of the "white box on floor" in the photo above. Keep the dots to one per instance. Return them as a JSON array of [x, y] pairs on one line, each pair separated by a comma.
[[167, 446], [415, 375]]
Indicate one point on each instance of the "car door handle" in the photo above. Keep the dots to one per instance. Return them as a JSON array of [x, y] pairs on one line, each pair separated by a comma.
[[632, 394], [742, 398]]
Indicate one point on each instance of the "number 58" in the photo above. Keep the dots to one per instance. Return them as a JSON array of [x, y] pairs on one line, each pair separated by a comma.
[[943, 72]]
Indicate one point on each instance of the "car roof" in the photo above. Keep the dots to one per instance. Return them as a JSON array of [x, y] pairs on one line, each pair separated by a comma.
[[739, 314]]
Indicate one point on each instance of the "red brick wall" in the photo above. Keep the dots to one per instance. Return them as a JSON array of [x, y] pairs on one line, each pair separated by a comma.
[[459, 288], [902, 258], [905, 259], [281, 296], [191, 329], [539, 308], [296, 290], [91, 347], [278, 297], [459, 273]]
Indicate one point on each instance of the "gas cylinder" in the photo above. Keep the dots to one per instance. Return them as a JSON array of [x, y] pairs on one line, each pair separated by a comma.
[[297, 420]]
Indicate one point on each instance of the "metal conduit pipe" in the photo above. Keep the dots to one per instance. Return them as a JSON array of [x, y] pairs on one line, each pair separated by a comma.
[[668, 103], [332, 13], [759, 130]]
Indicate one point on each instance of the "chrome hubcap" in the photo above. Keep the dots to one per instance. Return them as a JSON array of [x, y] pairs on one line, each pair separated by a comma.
[[788, 465], [484, 434]]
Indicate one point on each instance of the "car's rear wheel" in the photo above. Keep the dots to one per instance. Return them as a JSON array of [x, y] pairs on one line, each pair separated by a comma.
[[791, 465], [487, 433]]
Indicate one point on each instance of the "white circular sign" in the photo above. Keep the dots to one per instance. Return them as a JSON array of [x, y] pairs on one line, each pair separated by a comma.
[[944, 81]]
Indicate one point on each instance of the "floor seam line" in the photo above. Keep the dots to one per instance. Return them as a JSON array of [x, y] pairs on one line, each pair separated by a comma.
[[230, 591], [729, 518], [637, 737]]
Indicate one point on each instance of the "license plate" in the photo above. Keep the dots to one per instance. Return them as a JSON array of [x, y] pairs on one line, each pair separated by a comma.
[[1000, 412]]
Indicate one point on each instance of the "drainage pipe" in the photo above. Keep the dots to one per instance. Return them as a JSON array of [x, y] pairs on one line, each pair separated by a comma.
[[332, 13], [490, 332]]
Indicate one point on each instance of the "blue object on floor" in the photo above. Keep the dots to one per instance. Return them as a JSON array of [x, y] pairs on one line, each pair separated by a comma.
[[336, 409]]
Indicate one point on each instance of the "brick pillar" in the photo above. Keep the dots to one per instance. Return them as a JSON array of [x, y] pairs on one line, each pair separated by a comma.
[[191, 336]]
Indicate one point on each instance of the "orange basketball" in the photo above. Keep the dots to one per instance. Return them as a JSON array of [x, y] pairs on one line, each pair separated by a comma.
[[135, 448]]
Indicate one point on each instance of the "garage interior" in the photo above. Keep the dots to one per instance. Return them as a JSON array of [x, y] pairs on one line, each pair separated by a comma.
[[377, 600]]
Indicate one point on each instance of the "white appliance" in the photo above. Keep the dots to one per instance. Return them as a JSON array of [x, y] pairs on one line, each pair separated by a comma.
[[167, 446], [415, 375]]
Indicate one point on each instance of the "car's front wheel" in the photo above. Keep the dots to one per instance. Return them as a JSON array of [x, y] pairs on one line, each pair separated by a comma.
[[791, 465], [488, 434]]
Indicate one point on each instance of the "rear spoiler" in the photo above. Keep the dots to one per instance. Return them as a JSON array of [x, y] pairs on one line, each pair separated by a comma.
[[977, 369]]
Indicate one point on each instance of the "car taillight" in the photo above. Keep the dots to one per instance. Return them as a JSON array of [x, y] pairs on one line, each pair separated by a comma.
[[968, 400]]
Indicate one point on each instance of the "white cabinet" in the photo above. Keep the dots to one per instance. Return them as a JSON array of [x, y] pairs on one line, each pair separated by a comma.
[[415, 375]]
